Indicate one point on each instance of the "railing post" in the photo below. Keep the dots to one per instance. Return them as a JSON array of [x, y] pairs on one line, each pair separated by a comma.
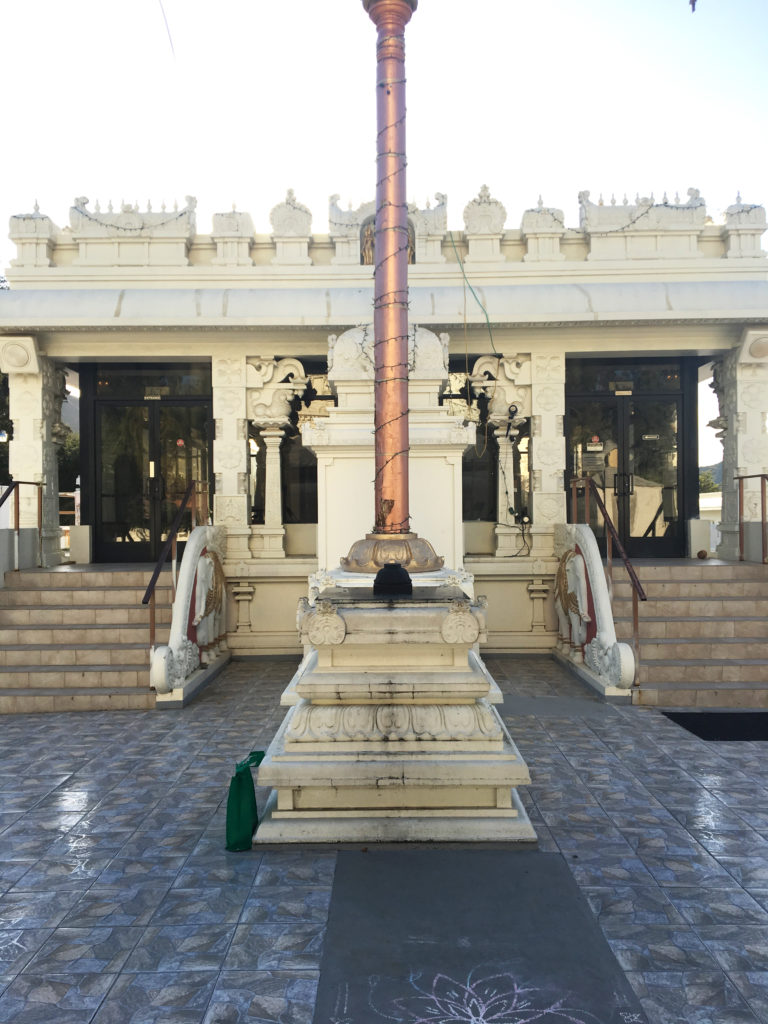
[[574, 501], [635, 633], [741, 519], [587, 509], [152, 622], [40, 526], [609, 563], [16, 515]]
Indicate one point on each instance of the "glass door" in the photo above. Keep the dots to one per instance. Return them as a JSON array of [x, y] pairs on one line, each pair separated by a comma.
[[182, 456], [123, 496], [147, 454], [651, 483], [629, 445]]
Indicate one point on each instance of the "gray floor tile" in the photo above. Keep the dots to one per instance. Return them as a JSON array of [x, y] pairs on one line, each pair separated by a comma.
[[269, 997], [158, 998], [222, 904], [18, 946], [84, 951], [276, 947], [36, 909], [49, 999], [690, 997], [180, 948]]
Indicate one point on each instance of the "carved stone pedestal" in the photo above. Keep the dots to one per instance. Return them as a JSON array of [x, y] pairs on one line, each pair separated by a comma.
[[392, 734]]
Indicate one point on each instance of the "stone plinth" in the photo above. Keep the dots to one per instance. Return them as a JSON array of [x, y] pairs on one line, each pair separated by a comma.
[[392, 734]]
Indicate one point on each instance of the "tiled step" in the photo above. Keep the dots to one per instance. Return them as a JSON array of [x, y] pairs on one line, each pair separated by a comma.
[[704, 695], [657, 627], [78, 639], [50, 579], [689, 570], [25, 701], [84, 677], [101, 634], [711, 606], [706, 670], [58, 655], [81, 615], [694, 588], [705, 649], [29, 596]]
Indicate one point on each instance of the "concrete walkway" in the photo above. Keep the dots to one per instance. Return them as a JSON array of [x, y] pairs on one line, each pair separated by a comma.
[[119, 905]]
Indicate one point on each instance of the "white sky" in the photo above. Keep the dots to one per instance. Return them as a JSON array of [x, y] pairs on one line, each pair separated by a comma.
[[528, 96]]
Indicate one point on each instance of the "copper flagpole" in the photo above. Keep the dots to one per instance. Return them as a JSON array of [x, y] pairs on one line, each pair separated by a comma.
[[392, 539]]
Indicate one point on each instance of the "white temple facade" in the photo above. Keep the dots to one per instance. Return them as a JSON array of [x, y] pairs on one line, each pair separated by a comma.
[[241, 361]]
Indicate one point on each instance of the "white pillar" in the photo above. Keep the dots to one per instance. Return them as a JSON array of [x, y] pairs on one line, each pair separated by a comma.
[[267, 541], [741, 385], [230, 454], [547, 447], [36, 390]]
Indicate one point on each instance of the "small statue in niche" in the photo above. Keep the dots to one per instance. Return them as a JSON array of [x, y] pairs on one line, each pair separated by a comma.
[[366, 243], [411, 243]]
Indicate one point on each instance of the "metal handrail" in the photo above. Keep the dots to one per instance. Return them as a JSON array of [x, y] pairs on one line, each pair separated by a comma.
[[13, 488], [611, 538], [169, 546], [763, 478]]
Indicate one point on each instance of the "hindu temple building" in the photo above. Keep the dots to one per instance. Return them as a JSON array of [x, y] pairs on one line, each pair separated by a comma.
[[539, 352]]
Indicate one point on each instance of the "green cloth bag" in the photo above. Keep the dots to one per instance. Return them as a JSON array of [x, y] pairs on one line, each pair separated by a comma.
[[242, 816]]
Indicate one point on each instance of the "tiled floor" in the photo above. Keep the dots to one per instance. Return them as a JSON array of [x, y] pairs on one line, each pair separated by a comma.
[[119, 905]]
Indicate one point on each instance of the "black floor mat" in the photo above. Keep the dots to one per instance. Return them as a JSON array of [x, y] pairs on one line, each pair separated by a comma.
[[465, 935], [723, 725]]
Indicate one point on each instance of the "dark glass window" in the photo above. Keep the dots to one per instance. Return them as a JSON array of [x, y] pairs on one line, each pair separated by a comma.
[[480, 477], [585, 376], [153, 381], [298, 469]]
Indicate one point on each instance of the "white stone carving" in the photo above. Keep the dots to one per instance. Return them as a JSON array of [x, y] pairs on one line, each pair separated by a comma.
[[460, 626], [374, 723], [290, 219], [130, 236], [484, 219], [230, 511], [484, 215], [291, 226], [345, 227], [197, 621], [350, 355], [542, 229], [506, 384], [35, 237], [272, 387], [550, 367], [233, 235], [744, 227], [227, 372], [607, 664], [644, 230], [18, 354], [320, 624]]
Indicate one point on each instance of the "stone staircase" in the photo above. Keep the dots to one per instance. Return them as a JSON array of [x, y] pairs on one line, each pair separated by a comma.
[[77, 638], [703, 633]]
